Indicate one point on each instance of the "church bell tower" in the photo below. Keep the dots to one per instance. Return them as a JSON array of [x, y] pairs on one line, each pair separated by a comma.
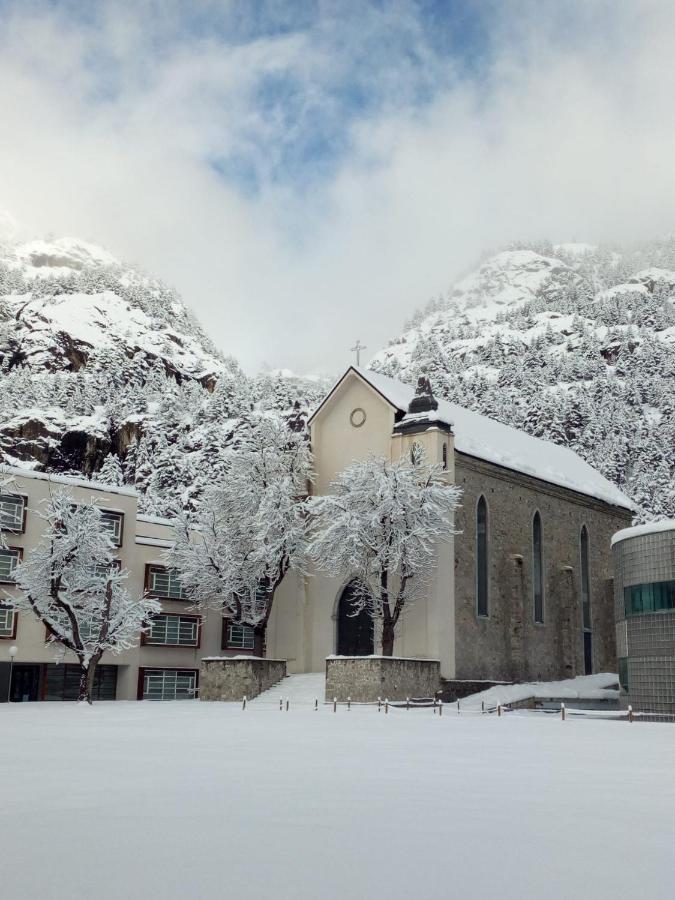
[[422, 430]]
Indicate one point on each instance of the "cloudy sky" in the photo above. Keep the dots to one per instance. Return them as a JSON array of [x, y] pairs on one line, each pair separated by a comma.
[[306, 173]]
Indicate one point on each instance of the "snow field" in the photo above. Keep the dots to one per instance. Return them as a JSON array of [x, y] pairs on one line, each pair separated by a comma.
[[192, 800]]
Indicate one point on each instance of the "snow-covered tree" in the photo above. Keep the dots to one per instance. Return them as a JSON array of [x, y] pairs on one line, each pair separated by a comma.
[[250, 527], [72, 582], [382, 523], [111, 472]]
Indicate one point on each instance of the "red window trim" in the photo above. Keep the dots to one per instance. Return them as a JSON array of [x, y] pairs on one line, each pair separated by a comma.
[[24, 497], [149, 593], [19, 550], [143, 669], [197, 646], [15, 623]]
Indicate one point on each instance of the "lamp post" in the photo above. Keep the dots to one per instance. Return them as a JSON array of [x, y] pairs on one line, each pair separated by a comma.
[[12, 653]]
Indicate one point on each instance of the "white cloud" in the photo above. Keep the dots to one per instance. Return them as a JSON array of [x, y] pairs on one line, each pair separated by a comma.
[[567, 133]]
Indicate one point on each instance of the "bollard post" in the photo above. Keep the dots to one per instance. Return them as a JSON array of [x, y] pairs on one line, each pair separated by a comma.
[[287, 704], [630, 713], [316, 704], [334, 704], [281, 704], [458, 707], [562, 711], [349, 703], [434, 705], [499, 709], [440, 706], [407, 702], [482, 707], [243, 703], [386, 706], [379, 703]]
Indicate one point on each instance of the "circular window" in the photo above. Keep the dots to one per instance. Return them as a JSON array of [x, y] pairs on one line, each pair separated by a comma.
[[357, 417]]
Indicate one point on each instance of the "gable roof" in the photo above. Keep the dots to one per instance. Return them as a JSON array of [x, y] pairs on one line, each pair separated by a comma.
[[484, 438]]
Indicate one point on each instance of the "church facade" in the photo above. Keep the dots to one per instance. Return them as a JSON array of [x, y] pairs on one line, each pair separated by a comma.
[[523, 591]]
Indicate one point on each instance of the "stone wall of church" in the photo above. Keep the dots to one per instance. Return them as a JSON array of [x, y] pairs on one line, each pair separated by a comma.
[[507, 644]]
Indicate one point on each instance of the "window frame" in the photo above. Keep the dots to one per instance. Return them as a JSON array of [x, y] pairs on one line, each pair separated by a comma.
[[15, 622], [167, 615], [24, 499], [585, 575], [225, 642], [542, 580], [19, 558], [141, 681], [627, 597], [148, 577], [108, 514], [479, 614]]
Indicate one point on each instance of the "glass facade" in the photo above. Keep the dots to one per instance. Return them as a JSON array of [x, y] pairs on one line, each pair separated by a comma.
[[658, 596], [62, 682]]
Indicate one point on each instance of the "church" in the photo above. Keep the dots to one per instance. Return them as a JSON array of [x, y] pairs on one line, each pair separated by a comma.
[[523, 591]]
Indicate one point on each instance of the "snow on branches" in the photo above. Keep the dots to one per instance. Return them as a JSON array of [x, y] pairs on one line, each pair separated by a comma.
[[251, 525], [381, 523], [73, 583]]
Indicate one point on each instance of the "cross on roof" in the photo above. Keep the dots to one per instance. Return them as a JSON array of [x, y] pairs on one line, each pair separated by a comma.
[[357, 348]]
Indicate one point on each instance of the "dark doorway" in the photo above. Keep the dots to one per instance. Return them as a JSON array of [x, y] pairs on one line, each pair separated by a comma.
[[25, 683], [354, 632], [588, 653]]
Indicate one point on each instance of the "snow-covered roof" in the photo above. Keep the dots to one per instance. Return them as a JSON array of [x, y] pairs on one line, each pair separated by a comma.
[[639, 530], [502, 445], [17, 473]]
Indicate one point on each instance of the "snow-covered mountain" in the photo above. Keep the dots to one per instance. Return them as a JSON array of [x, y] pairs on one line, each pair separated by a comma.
[[104, 371], [573, 343]]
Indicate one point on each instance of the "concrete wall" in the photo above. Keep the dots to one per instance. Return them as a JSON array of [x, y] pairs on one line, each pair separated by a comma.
[[508, 645], [365, 678], [646, 641], [232, 679]]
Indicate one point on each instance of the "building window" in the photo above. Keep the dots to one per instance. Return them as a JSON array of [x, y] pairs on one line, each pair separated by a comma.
[[168, 684], [240, 637], [623, 672], [482, 557], [585, 581], [12, 512], [659, 596], [537, 569], [586, 603], [173, 630], [62, 682], [112, 523], [445, 457], [164, 583], [7, 622], [9, 560]]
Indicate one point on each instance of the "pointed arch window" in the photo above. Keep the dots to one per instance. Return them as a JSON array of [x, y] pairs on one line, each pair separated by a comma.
[[586, 602], [482, 557], [445, 457], [537, 569]]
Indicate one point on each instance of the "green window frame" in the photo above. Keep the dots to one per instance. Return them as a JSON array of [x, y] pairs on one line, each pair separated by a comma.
[[173, 630], [9, 560], [165, 584]]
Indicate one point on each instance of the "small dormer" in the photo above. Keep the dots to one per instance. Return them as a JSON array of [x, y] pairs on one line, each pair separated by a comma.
[[422, 431]]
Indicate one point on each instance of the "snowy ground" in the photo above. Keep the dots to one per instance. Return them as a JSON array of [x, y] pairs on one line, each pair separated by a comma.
[[189, 800]]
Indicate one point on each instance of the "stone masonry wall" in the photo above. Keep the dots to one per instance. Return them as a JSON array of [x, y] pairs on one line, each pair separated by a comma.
[[234, 678], [508, 645], [365, 678]]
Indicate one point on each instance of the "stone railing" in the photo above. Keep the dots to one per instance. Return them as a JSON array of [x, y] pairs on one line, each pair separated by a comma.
[[234, 677], [365, 678]]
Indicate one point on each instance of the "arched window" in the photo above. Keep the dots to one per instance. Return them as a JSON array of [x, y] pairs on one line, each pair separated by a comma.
[[586, 602], [482, 557], [537, 569], [445, 456]]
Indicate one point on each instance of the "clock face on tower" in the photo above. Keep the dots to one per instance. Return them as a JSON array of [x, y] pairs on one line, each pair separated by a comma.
[[357, 417]]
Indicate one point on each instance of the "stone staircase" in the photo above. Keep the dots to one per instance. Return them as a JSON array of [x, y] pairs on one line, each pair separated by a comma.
[[297, 689]]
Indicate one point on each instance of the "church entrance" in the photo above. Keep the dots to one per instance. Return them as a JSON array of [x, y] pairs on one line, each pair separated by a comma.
[[354, 632]]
